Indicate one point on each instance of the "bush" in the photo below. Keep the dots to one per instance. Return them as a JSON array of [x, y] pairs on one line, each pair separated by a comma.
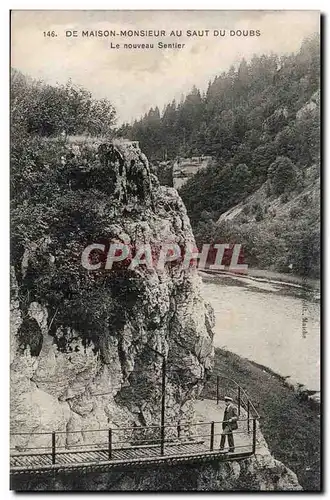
[[282, 175], [294, 212], [259, 214]]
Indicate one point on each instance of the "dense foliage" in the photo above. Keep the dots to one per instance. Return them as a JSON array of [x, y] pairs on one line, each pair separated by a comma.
[[46, 110], [56, 195], [261, 124], [242, 112], [53, 219], [272, 244]]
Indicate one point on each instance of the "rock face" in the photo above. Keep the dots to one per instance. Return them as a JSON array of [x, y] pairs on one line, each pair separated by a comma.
[[260, 473], [63, 381], [185, 168], [310, 107]]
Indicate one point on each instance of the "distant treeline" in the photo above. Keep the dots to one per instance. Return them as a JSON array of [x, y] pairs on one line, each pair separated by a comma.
[[240, 114], [247, 120]]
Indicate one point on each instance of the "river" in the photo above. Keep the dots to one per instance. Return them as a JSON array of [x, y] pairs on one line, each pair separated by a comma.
[[263, 322]]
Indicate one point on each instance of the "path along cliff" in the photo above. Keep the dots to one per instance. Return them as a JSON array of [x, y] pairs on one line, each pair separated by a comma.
[[84, 342]]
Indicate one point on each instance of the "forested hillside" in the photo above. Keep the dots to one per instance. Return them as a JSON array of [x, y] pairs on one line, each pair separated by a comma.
[[261, 122]]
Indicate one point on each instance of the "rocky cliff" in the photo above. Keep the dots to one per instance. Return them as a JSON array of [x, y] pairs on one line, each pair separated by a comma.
[[88, 342], [83, 356], [259, 473]]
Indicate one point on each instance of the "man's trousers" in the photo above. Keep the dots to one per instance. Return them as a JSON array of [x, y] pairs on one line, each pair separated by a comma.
[[229, 433]]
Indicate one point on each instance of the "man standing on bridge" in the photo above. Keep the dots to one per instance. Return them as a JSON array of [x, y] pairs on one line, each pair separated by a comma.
[[229, 424]]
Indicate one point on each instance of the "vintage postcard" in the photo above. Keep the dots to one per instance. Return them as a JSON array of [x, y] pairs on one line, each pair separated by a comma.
[[165, 251]]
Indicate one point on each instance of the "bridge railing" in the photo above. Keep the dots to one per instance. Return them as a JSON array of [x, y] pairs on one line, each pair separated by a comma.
[[178, 439], [224, 386]]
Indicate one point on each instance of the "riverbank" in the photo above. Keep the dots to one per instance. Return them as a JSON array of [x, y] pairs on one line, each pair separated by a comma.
[[271, 277], [290, 425], [284, 278]]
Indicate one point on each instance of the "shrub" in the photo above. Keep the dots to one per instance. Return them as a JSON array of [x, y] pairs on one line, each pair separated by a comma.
[[282, 175]]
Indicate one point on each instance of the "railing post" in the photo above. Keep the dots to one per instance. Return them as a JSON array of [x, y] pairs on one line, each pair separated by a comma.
[[53, 448], [248, 416], [110, 444], [239, 399], [218, 383], [178, 430], [212, 437], [254, 436], [162, 417], [162, 439]]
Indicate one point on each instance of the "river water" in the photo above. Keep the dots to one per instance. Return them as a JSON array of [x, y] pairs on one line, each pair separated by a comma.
[[264, 323]]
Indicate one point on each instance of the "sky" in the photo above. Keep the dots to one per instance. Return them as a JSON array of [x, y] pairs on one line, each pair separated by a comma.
[[135, 80]]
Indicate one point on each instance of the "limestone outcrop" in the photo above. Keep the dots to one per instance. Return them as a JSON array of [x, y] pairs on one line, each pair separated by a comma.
[[88, 360]]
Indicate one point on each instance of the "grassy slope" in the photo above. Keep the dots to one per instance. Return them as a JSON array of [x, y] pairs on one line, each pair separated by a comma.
[[290, 426]]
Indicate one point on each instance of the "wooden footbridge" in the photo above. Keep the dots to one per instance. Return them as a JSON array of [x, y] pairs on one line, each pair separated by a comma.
[[134, 447]]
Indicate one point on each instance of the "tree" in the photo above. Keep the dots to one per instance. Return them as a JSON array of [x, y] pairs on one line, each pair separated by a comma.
[[101, 118], [281, 175], [46, 110]]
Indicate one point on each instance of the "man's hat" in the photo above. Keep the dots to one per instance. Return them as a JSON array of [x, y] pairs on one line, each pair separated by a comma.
[[227, 398]]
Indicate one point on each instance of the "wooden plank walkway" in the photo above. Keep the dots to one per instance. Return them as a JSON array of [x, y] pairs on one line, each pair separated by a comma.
[[27, 462], [200, 446]]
